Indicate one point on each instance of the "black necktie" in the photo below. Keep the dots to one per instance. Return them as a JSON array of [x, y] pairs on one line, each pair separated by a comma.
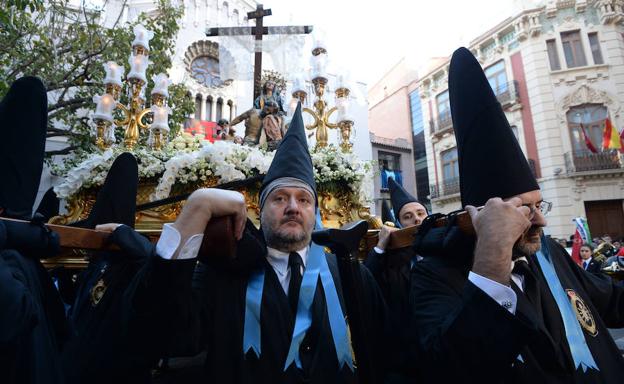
[[295, 263], [530, 289], [585, 263]]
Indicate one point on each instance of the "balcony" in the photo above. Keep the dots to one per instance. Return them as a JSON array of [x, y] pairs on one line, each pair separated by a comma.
[[446, 188], [586, 161], [441, 125], [507, 94]]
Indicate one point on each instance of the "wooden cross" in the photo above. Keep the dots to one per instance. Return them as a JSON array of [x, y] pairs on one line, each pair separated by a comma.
[[258, 31]]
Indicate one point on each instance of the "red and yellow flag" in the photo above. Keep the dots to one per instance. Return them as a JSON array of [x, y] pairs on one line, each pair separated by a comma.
[[611, 138]]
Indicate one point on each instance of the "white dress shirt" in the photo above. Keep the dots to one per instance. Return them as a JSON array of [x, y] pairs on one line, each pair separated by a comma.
[[502, 294], [170, 241], [279, 262]]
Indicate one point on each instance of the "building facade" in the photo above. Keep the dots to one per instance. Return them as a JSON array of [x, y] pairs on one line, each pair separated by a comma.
[[390, 126], [558, 70]]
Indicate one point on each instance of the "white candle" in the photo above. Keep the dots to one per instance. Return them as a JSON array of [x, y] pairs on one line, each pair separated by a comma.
[[343, 81], [161, 84], [142, 36], [138, 67], [104, 107], [318, 64], [298, 85], [161, 117], [113, 73], [344, 113]]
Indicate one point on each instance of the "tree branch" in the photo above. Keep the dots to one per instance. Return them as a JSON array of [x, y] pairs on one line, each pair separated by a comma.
[[64, 151]]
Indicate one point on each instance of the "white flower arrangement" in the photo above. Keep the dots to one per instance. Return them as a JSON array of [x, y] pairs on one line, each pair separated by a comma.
[[190, 160]]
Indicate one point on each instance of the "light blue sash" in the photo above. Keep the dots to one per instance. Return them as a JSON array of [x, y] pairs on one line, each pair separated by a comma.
[[316, 267], [253, 302], [574, 334]]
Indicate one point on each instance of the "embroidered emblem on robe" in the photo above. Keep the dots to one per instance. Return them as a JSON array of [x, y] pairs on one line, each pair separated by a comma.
[[583, 314]]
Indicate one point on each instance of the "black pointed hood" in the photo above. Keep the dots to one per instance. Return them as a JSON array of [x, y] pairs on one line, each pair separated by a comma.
[[116, 201], [399, 197], [491, 162], [49, 205], [23, 123], [386, 213], [292, 158]]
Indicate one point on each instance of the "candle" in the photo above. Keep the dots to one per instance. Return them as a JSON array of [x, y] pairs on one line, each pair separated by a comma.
[[113, 73], [319, 41], [319, 63], [343, 81], [344, 113], [138, 66], [142, 36], [161, 117], [104, 107], [298, 85], [161, 84]]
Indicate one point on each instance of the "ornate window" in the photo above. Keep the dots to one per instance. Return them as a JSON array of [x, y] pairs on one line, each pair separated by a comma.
[[205, 70], [450, 165], [497, 77], [594, 44], [553, 55], [592, 117], [444, 107], [573, 49]]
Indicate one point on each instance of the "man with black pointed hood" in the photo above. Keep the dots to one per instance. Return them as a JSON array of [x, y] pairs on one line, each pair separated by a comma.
[[244, 314], [111, 313], [515, 308], [391, 267], [33, 328]]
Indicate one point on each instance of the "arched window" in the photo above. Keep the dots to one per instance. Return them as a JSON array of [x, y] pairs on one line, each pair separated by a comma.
[[198, 105], [230, 104], [205, 70], [235, 17], [209, 108], [591, 118], [225, 12], [219, 109]]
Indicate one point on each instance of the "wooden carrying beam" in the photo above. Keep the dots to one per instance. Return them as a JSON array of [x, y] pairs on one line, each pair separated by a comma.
[[77, 238]]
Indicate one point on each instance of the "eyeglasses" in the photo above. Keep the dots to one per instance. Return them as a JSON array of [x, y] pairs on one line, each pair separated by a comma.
[[543, 206]]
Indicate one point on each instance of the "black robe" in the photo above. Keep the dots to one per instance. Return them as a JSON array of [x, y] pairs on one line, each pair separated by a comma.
[[33, 327], [391, 271], [465, 335], [211, 312], [118, 339]]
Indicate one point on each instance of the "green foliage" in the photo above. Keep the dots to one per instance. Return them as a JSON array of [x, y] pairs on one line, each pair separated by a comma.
[[66, 46]]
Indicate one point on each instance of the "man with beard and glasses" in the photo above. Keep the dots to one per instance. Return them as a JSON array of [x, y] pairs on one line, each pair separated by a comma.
[[275, 312], [514, 307]]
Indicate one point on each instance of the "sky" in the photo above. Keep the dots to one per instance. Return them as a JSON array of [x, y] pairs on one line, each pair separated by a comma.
[[370, 37]]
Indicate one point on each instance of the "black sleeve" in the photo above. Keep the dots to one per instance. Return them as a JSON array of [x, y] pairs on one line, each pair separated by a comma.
[[459, 330], [155, 300], [379, 323], [374, 262], [17, 310]]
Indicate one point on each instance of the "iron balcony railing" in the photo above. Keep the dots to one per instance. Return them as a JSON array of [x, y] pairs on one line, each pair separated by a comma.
[[507, 94], [442, 124], [445, 188], [587, 161]]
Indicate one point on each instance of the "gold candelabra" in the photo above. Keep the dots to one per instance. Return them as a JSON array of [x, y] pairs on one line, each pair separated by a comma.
[[320, 112], [135, 113]]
